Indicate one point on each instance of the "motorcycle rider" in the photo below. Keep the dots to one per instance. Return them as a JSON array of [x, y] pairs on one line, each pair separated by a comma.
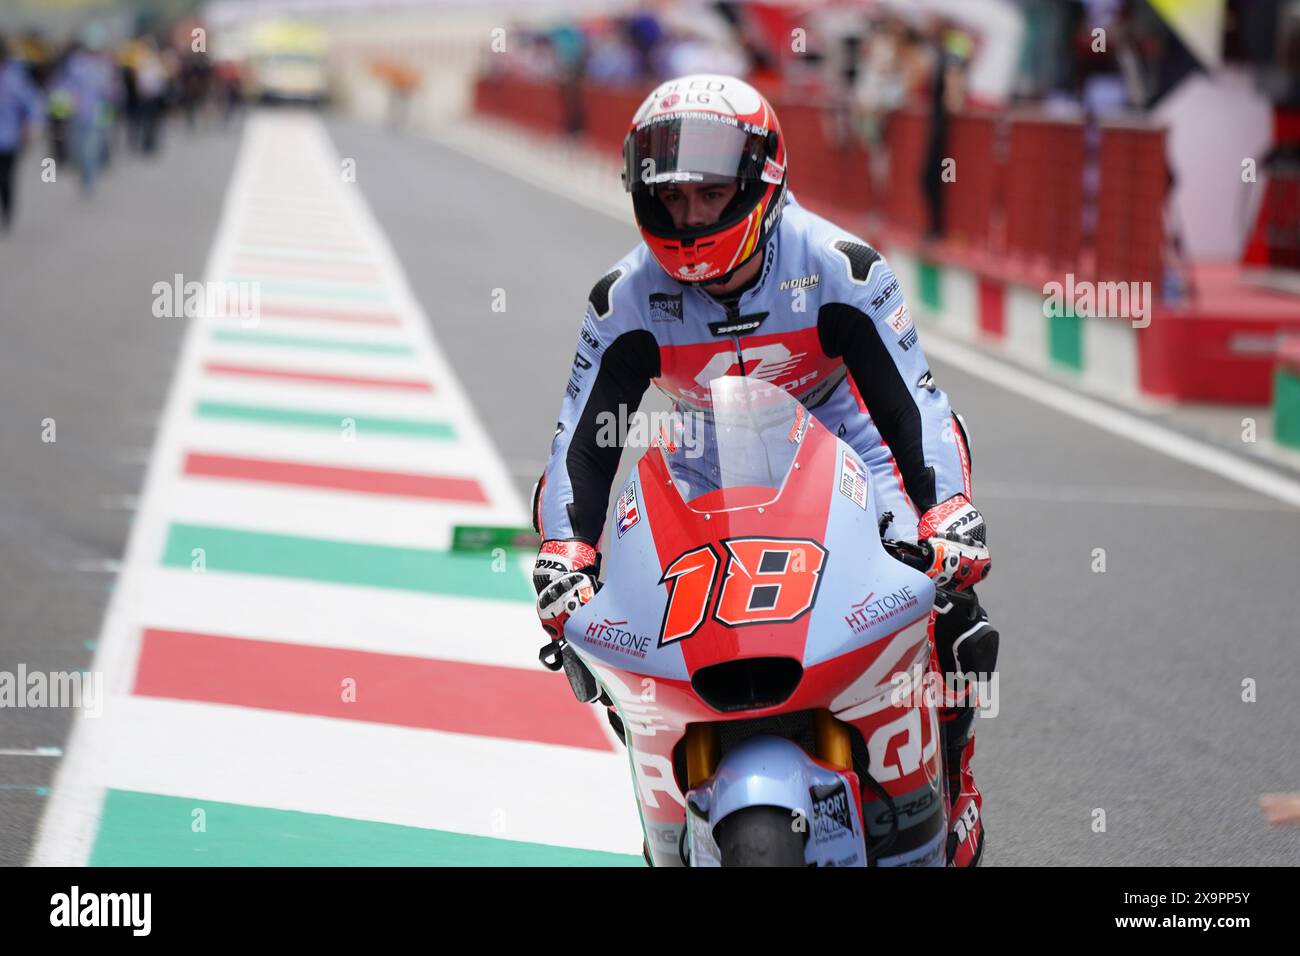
[[733, 276]]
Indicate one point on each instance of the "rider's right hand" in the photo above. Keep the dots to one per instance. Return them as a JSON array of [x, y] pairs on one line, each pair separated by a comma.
[[564, 575]]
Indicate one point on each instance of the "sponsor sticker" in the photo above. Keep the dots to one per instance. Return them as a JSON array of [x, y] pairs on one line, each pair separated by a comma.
[[739, 325], [613, 636], [665, 307], [831, 816], [890, 288], [772, 171], [873, 609], [628, 511], [908, 339], [853, 481], [799, 426], [901, 320], [803, 282]]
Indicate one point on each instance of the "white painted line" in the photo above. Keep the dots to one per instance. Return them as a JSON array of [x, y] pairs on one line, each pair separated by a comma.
[[1142, 497], [33, 752], [1118, 422], [422, 778], [319, 513], [380, 620]]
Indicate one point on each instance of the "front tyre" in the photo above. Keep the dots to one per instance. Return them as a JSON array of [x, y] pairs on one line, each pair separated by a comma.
[[761, 836]]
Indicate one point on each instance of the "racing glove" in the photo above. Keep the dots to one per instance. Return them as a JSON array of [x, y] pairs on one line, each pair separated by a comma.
[[955, 530], [564, 575]]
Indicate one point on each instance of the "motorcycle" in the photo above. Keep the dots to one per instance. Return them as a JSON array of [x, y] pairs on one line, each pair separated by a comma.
[[762, 653]]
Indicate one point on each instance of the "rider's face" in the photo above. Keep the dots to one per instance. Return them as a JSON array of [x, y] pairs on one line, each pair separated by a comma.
[[696, 204]]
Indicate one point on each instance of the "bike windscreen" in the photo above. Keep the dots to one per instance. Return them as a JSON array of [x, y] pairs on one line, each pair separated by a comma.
[[738, 452]]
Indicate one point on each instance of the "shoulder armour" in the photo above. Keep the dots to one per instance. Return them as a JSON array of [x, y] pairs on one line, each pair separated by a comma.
[[599, 297], [861, 257]]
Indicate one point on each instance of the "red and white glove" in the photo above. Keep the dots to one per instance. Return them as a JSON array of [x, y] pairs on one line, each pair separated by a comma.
[[564, 575], [955, 530]]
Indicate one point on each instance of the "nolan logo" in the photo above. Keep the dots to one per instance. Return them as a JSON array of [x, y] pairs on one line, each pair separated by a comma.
[[803, 282], [740, 325]]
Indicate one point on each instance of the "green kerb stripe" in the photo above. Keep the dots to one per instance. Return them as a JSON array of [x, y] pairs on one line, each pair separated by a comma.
[[310, 342], [929, 279], [1065, 339], [146, 829], [344, 562], [364, 424], [1286, 403]]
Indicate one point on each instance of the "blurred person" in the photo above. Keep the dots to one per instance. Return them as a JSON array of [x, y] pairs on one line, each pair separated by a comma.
[[712, 288], [947, 93], [645, 34], [611, 61], [882, 83], [128, 58], [1281, 809], [20, 108], [229, 81], [193, 81], [571, 63], [152, 84], [89, 80]]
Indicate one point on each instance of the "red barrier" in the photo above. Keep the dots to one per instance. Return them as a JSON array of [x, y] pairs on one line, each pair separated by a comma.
[[828, 164], [538, 106], [607, 113], [1044, 192], [907, 133], [1130, 206], [973, 202]]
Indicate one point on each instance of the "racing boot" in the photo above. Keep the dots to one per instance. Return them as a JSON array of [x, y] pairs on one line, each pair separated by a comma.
[[966, 645]]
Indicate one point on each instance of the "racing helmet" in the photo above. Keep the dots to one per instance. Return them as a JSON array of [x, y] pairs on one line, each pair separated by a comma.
[[704, 129]]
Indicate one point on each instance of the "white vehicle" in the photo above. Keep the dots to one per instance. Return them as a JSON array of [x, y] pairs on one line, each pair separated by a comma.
[[287, 61]]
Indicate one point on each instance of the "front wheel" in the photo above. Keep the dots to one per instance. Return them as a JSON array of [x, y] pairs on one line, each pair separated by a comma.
[[761, 836]]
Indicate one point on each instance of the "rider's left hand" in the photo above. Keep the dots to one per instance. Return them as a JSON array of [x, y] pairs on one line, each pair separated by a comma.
[[955, 530]]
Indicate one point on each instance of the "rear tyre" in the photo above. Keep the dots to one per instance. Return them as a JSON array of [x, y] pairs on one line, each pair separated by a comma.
[[760, 836]]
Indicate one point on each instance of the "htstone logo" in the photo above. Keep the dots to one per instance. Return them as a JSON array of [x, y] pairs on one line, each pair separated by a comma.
[[83, 690], [102, 909]]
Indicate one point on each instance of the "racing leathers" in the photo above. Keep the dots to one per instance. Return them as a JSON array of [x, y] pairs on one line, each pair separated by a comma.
[[824, 319]]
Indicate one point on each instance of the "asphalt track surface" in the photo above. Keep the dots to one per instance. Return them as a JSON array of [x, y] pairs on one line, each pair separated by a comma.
[[1118, 691], [79, 345]]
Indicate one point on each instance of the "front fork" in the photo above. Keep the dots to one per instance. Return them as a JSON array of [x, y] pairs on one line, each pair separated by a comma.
[[704, 748]]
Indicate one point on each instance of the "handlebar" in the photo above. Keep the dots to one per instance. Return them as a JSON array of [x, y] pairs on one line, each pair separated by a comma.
[[920, 555]]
